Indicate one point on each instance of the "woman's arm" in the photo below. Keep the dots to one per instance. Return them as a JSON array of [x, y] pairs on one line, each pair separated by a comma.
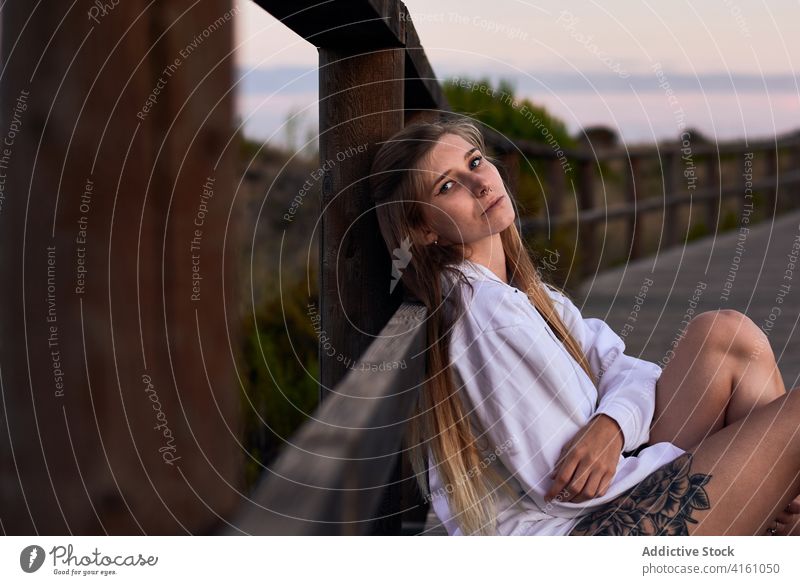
[[588, 462], [627, 384], [524, 401]]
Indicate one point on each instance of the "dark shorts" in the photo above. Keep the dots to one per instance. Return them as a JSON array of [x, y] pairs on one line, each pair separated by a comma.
[[636, 451], [662, 504]]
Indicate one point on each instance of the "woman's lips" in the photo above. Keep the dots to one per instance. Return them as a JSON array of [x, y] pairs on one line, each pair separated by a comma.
[[493, 204]]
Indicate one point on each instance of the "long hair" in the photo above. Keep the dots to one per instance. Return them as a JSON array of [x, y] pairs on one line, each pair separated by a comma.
[[439, 421]]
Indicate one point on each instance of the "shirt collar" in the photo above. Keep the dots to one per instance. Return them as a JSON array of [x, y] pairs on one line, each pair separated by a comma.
[[480, 272]]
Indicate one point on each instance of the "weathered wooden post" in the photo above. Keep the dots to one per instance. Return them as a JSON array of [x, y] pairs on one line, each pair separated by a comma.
[[586, 228], [556, 188], [772, 171], [361, 103], [373, 77], [670, 174], [632, 195], [510, 162], [794, 167], [118, 385], [713, 180]]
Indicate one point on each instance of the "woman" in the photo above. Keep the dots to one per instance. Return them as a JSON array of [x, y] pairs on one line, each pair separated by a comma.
[[532, 419]]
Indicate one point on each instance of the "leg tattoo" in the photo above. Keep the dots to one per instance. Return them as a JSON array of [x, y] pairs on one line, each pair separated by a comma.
[[660, 505]]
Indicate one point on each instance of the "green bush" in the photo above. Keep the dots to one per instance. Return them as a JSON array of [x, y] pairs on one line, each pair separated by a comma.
[[729, 221], [281, 364], [698, 230]]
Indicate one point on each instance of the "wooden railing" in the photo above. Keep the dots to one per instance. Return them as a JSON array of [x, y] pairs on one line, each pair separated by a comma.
[[333, 474], [118, 388], [681, 174], [343, 473]]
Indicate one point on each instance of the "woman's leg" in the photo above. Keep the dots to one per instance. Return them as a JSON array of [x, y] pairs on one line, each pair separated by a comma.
[[721, 371], [734, 482]]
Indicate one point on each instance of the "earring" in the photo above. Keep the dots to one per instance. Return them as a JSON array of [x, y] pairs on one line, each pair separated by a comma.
[[436, 241]]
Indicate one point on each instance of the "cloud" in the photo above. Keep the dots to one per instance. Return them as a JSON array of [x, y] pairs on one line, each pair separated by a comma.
[[721, 104], [716, 82], [286, 80]]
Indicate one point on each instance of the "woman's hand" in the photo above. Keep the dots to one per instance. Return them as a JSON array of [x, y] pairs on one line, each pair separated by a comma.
[[588, 462]]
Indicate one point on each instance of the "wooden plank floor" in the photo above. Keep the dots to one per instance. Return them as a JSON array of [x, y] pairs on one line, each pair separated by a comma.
[[649, 302]]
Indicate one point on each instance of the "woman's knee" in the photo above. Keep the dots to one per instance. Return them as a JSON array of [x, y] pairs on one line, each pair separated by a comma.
[[788, 410], [731, 332], [792, 401], [783, 420]]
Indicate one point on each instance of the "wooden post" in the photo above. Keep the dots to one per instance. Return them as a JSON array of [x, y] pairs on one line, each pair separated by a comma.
[[587, 229], [510, 161], [373, 74], [634, 225], [713, 205], [556, 188], [794, 165], [118, 386], [771, 171], [361, 103], [669, 169], [418, 116]]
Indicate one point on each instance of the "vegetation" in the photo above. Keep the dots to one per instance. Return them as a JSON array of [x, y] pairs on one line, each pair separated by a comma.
[[281, 370]]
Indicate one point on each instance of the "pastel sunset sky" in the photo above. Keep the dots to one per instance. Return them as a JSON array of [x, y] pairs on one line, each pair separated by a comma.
[[731, 66]]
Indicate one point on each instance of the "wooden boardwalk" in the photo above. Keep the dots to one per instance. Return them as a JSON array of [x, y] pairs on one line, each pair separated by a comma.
[[650, 301]]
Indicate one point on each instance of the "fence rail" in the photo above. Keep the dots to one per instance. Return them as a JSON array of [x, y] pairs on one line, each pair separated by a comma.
[[332, 475], [686, 174]]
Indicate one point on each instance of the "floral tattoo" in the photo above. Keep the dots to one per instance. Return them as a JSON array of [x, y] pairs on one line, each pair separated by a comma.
[[659, 505]]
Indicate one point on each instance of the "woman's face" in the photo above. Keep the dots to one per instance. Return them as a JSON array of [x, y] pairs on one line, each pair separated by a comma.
[[464, 200]]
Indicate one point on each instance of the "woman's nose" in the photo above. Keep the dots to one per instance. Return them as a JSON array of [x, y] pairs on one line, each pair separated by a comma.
[[481, 189]]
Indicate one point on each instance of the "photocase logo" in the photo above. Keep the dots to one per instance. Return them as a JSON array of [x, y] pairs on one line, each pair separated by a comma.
[[551, 261], [31, 558], [401, 258]]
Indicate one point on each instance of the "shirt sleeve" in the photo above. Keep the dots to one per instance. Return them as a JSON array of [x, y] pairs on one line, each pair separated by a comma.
[[626, 384], [523, 410]]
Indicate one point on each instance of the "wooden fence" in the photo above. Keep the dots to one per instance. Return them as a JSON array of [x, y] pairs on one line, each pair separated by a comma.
[[658, 180], [374, 78], [121, 141]]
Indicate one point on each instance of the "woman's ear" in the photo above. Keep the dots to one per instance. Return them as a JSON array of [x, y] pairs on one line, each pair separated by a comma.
[[429, 236]]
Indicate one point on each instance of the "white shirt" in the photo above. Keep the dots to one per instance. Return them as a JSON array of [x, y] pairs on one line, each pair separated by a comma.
[[527, 397]]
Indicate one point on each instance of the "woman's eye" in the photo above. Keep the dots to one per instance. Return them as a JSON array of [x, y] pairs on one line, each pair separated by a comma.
[[477, 159]]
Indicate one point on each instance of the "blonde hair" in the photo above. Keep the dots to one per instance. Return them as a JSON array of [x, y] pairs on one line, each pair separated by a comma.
[[439, 420]]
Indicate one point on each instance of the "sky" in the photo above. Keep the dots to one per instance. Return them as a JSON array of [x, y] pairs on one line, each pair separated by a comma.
[[726, 67]]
